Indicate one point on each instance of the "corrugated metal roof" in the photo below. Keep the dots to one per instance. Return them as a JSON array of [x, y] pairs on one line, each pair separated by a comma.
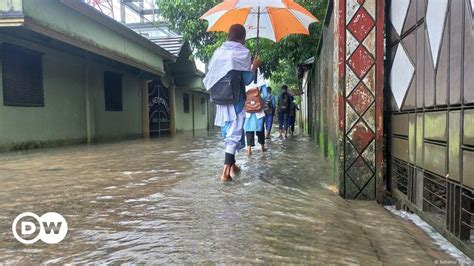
[[170, 44]]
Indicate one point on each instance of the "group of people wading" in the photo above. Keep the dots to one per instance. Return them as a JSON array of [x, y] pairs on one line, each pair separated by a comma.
[[240, 110]]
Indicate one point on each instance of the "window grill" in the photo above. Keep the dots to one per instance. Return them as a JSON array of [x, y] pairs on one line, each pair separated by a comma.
[[400, 175], [434, 195]]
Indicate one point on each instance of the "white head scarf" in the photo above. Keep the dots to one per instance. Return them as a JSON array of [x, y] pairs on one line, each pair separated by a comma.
[[230, 56]]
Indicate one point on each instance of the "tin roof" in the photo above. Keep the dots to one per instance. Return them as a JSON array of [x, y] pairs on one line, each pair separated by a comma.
[[160, 34], [171, 44]]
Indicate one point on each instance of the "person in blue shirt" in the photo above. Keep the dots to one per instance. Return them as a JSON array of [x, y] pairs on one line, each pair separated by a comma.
[[254, 125], [232, 55], [284, 102]]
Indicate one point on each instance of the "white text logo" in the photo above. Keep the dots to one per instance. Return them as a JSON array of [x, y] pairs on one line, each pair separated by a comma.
[[28, 228]]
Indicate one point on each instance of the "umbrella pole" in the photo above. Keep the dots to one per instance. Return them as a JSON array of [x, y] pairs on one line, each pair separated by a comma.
[[258, 41]]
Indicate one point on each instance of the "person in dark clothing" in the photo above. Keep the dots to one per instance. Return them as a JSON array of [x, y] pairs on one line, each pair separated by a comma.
[[284, 102], [269, 108], [292, 117]]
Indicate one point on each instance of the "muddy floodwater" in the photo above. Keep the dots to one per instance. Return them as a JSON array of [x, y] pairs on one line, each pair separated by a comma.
[[159, 201]]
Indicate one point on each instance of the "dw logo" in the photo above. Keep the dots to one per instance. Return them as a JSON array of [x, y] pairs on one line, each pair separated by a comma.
[[51, 228]]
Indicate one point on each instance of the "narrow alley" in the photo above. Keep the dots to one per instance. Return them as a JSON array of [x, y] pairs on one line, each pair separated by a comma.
[[159, 201]]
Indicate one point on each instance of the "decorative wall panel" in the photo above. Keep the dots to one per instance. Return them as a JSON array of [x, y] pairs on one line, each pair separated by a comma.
[[361, 53], [435, 21], [439, 105]]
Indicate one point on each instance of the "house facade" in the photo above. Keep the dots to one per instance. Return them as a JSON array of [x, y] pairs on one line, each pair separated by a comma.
[[70, 74], [189, 98]]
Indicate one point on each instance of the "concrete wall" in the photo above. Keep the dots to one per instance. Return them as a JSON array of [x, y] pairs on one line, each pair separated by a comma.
[[70, 83], [200, 119], [63, 116], [184, 121], [321, 117], [115, 125]]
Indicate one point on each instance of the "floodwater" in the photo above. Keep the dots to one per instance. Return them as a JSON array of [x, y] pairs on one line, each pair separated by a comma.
[[160, 201]]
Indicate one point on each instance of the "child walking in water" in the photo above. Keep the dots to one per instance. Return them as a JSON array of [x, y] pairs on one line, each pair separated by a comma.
[[254, 125], [230, 69]]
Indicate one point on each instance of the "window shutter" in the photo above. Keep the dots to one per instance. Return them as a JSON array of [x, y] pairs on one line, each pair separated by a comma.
[[22, 77]]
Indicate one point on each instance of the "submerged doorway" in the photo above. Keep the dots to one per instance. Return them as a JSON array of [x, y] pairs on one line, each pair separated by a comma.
[[159, 109]]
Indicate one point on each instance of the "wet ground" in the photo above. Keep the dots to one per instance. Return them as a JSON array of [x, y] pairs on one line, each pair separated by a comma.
[[159, 201]]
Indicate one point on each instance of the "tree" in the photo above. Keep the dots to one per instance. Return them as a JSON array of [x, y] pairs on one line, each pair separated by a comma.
[[279, 59]]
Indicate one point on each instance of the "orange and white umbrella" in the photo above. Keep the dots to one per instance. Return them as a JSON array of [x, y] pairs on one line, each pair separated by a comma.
[[270, 19]]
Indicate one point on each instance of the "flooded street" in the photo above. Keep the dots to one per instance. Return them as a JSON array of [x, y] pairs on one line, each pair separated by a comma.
[[159, 201]]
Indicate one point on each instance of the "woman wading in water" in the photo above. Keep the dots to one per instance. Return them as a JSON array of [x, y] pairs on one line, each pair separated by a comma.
[[230, 70]]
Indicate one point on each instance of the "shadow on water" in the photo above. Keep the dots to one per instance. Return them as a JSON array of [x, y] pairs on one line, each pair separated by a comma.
[[159, 201]]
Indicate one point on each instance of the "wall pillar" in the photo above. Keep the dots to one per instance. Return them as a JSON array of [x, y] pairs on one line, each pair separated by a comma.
[[146, 110], [193, 111], [359, 41], [172, 91], [89, 101]]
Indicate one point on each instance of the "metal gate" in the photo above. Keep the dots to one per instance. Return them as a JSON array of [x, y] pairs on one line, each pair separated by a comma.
[[159, 110], [430, 98]]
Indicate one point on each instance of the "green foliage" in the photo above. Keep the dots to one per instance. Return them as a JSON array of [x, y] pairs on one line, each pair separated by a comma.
[[184, 18], [279, 60]]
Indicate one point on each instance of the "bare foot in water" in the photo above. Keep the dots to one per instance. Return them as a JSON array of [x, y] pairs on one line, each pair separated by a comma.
[[264, 149], [249, 151], [234, 170], [225, 177]]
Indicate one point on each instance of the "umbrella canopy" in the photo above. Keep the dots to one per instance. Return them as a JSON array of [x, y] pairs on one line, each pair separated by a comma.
[[276, 18]]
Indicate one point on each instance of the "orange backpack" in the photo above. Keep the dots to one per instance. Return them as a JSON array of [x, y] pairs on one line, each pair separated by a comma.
[[254, 102]]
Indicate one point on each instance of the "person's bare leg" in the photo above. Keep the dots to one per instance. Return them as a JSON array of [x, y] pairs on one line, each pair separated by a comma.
[[264, 148], [225, 177], [234, 170], [249, 150]]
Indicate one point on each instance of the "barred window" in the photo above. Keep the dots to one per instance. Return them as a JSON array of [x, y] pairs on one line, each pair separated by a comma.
[[113, 92], [22, 71]]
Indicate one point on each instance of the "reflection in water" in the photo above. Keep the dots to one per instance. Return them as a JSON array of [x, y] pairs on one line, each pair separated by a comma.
[[159, 201]]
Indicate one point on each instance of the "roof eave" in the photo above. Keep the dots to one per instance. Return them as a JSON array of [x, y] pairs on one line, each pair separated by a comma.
[[92, 13], [35, 26]]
